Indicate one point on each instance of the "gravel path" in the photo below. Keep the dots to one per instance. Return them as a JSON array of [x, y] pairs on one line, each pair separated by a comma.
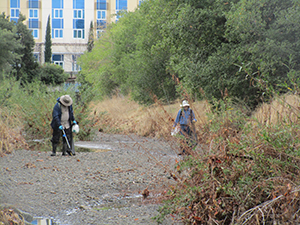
[[100, 187]]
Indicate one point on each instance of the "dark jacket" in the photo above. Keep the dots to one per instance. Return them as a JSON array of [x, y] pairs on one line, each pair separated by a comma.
[[56, 115]]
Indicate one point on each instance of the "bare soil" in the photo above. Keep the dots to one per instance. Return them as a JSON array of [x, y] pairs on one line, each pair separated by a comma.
[[105, 186]]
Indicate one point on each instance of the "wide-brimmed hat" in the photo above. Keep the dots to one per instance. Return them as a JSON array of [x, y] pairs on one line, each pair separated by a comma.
[[66, 100], [185, 103]]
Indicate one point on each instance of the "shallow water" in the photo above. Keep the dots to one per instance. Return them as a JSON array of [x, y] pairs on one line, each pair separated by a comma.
[[43, 221]]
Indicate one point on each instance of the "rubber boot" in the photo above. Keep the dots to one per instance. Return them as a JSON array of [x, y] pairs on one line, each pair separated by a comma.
[[53, 149], [64, 150]]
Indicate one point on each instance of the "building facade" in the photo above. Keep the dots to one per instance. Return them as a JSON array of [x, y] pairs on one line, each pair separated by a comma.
[[70, 24]]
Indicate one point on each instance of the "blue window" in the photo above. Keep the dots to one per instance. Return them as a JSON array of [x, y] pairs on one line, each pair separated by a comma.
[[78, 19], [101, 14], [14, 3], [57, 13], [78, 4], [57, 57], [14, 13], [121, 5], [58, 60], [78, 24], [78, 33], [33, 13], [57, 23], [14, 10], [57, 4], [101, 24], [78, 14], [57, 18], [101, 5], [33, 4], [35, 33], [33, 23], [57, 33]]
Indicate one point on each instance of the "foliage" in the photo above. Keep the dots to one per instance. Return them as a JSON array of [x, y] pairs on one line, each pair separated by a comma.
[[48, 43], [96, 66], [244, 173], [16, 57], [33, 103], [259, 47], [210, 49], [122, 58], [9, 44], [51, 74], [25, 69]]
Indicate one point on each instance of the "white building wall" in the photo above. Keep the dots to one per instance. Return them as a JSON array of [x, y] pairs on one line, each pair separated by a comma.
[[67, 45]]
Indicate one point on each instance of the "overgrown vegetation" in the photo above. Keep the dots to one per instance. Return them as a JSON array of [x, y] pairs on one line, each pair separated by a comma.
[[246, 171], [26, 114], [16, 56], [206, 48], [236, 55]]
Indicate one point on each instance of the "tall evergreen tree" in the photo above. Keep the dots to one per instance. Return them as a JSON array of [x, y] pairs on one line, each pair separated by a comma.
[[91, 38], [9, 44], [25, 67], [48, 43]]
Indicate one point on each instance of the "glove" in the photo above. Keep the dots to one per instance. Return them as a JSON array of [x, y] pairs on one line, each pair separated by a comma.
[[61, 127], [74, 122]]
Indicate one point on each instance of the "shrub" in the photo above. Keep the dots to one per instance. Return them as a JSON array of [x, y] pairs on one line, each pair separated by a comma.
[[51, 74], [244, 173]]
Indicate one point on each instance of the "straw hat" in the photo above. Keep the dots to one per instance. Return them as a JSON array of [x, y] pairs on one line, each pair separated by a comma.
[[66, 100], [185, 103]]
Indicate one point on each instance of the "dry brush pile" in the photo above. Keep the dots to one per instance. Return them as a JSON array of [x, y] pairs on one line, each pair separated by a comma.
[[247, 171], [10, 133]]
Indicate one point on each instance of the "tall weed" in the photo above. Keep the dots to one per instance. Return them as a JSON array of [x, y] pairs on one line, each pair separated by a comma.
[[33, 104], [245, 172]]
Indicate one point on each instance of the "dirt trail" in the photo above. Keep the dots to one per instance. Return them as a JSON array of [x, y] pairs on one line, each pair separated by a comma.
[[100, 187]]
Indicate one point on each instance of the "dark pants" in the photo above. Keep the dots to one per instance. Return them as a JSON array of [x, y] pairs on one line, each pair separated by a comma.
[[57, 133], [185, 131]]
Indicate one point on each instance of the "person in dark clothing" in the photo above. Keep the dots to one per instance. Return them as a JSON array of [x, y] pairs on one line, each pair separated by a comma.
[[186, 118], [62, 121]]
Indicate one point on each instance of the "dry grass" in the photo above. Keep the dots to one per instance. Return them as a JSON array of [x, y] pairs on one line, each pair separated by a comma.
[[10, 133], [281, 109], [120, 114]]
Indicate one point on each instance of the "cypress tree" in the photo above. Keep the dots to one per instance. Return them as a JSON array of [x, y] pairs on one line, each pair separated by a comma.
[[91, 38], [48, 43]]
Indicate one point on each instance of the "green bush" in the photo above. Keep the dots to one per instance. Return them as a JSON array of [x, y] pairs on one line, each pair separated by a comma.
[[51, 74]]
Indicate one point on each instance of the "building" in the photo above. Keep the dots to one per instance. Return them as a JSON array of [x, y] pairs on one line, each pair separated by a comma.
[[70, 24]]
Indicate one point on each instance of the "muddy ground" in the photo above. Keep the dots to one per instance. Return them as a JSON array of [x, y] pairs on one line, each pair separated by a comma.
[[105, 186]]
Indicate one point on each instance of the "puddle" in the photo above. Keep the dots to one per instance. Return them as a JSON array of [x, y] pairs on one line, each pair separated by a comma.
[[85, 146], [94, 146], [43, 221]]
